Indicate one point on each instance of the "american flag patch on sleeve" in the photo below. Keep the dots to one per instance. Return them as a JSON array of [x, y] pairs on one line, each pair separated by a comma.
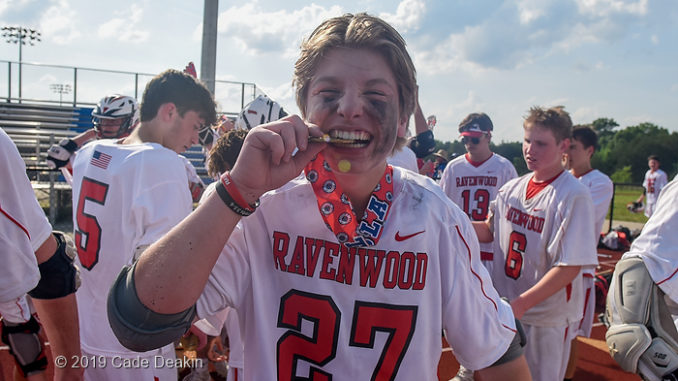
[[100, 159]]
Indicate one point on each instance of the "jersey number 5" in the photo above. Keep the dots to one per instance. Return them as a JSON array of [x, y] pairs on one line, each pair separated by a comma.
[[320, 310], [88, 228], [516, 252]]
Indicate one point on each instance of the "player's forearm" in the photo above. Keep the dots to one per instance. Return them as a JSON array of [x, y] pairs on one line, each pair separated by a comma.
[[59, 317], [553, 281], [483, 231], [85, 137], [46, 250], [420, 124], [171, 273]]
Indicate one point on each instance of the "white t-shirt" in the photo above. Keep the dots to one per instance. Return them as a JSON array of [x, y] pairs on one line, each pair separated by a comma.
[[404, 158], [286, 275], [124, 197], [601, 188], [553, 228], [653, 184], [23, 225], [657, 244], [473, 187]]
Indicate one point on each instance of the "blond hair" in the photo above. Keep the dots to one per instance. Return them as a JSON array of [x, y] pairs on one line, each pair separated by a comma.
[[358, 31], [554, 119]]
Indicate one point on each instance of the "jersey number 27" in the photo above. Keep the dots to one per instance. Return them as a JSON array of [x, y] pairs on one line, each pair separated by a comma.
[[88, 228], [368, 318]]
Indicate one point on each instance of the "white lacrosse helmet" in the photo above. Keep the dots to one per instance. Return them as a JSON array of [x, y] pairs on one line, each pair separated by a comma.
[[261, 110], [116, 107]]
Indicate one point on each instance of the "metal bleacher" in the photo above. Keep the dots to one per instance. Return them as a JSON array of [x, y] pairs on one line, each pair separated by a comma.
[[34, 120], [35, 127]]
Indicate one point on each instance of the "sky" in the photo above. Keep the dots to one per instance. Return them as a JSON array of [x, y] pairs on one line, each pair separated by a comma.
[[599, 58]]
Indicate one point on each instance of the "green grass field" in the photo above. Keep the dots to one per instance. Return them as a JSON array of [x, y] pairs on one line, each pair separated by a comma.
[[624, 194]]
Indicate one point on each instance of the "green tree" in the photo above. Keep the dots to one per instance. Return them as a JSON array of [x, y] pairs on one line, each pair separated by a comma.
[[632, 145], [604, 126], [514, 153], [622, 175]]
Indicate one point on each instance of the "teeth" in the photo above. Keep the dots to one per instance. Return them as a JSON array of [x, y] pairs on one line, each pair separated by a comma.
[[350, 135]]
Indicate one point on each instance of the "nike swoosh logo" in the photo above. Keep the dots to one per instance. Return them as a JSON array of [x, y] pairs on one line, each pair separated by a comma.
[[399, 238]]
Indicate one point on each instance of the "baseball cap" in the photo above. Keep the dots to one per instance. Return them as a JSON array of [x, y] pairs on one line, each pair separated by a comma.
[[475, 125]]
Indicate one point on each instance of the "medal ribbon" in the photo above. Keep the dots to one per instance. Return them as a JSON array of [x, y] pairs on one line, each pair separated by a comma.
[[336, 208]]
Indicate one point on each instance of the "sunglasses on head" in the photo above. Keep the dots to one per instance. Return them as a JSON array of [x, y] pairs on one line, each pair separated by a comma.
[[467, 139]]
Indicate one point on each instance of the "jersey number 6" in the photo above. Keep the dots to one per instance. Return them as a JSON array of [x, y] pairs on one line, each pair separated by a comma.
[[514, 258], [397, 321], [88, 228]]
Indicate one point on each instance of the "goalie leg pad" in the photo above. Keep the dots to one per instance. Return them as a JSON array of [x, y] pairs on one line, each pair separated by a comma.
[[658, 361], [136, 326], [642, 336], [633, 289], [59, 276], [25, 345], [627, 343]]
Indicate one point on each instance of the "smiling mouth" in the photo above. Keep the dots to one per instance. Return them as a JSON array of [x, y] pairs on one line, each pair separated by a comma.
[[349, 139]]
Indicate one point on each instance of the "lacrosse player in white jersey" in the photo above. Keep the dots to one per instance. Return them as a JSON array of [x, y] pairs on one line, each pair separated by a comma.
[[36, 262], [322, 293], [115, 116], [471, 181], [127, 193], [642, 303], [655, 180], [542, 229], [582, 146]]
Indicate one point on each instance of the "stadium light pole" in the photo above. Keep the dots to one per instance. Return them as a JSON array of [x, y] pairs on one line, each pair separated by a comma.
[[208, 57], [61, 89], [20, 35]]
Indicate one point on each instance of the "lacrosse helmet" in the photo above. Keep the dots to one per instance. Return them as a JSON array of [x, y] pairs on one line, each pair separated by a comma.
[[261, 110], [112, 107]]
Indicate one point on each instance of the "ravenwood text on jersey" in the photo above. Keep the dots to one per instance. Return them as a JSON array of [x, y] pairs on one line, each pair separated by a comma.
[[305, 255]]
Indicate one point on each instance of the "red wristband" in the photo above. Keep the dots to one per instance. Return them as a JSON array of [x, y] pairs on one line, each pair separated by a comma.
[[227, 181]]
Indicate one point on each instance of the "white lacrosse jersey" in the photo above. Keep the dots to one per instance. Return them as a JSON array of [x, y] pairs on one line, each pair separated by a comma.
[[472, 186], [124, 197], [653, 184], [236, 355], [601, 189], [23, 225], [658, 242], [309, 305], [553, 228], [404, 158]]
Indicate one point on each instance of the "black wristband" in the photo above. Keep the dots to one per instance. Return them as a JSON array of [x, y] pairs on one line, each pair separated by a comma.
[[69, 145], [228, 200]]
